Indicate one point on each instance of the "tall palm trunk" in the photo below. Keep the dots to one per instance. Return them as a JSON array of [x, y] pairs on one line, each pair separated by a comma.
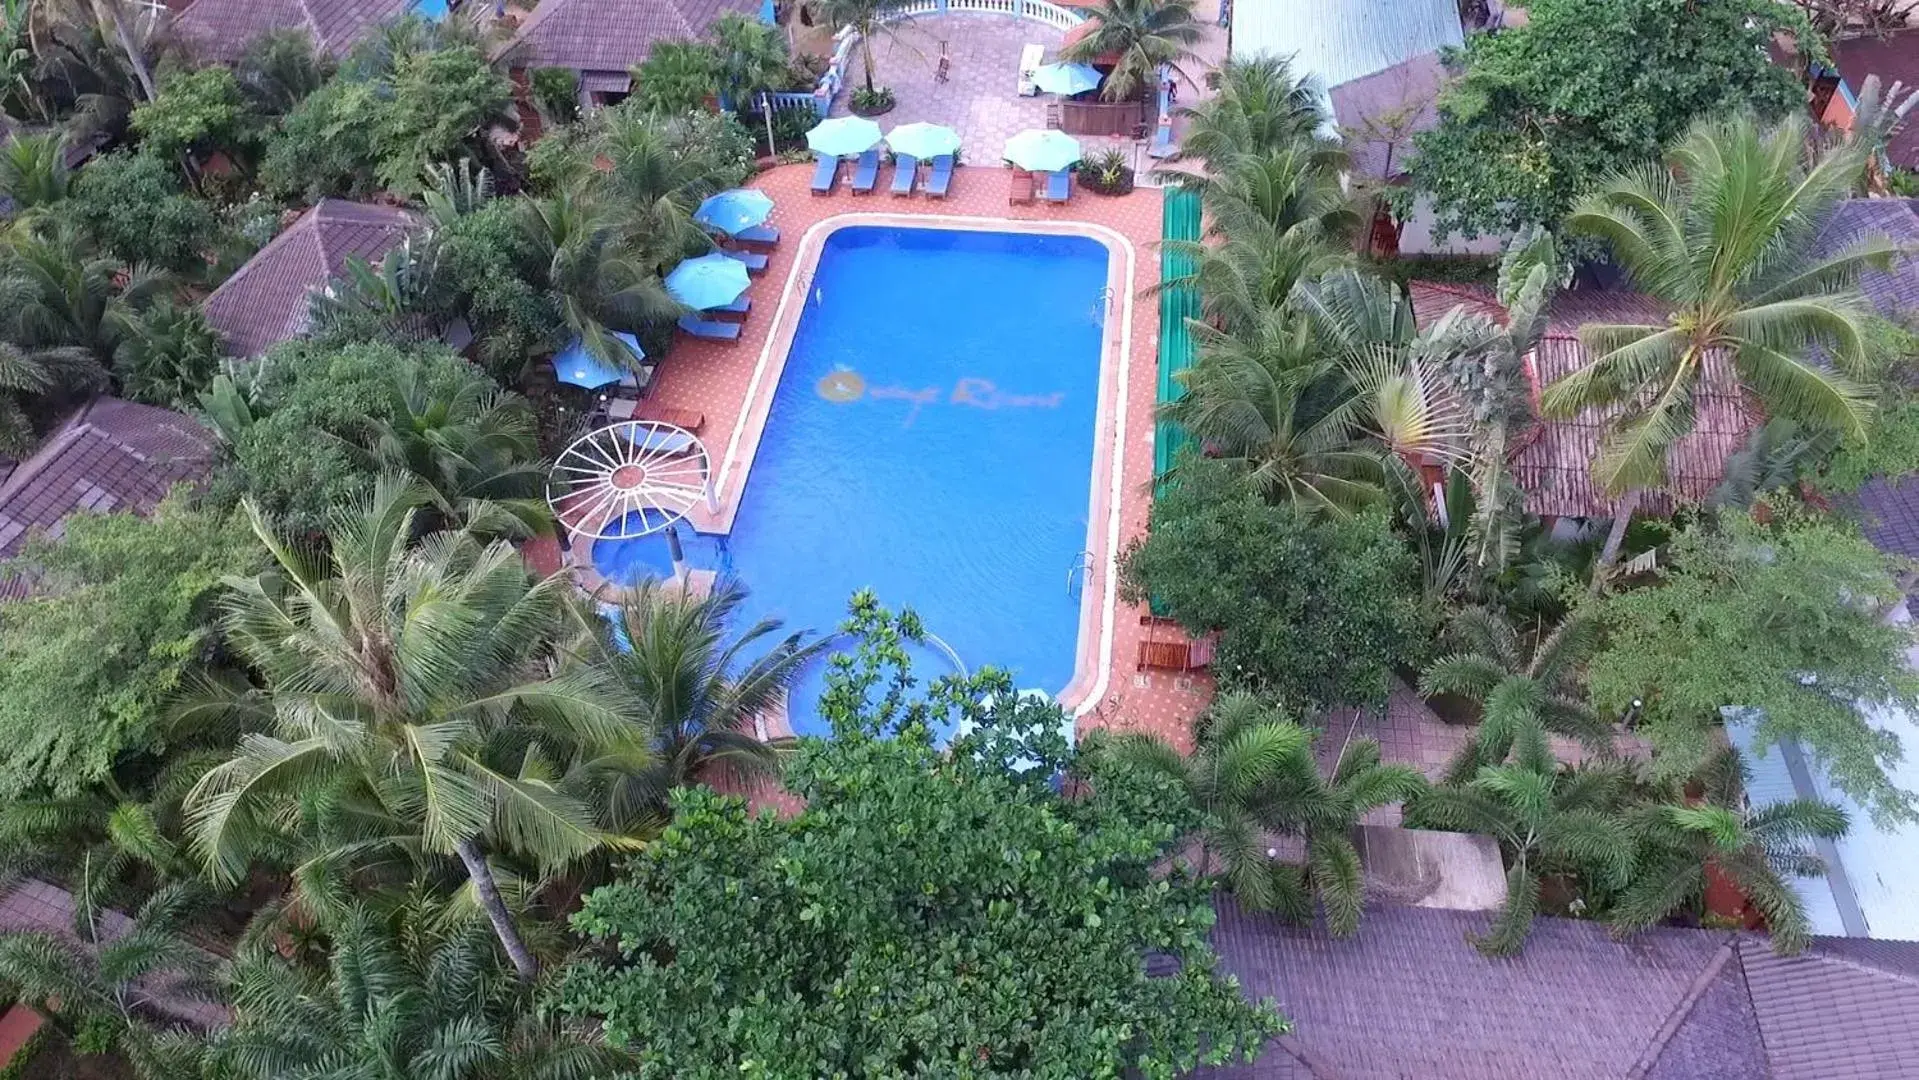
[[1616, 536], [866, 55], [489, 890], [134, 57]]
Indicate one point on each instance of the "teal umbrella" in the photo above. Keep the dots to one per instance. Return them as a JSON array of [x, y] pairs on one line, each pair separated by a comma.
[[734, 210], [843, 136], [1066, 79], [709, 281], [923, 140], [1039, 150]]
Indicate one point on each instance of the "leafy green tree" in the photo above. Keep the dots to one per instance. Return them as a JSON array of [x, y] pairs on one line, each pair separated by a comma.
[[1526, 688], [491, 273], [324, 146], [677, 77], [1737, 286], [1681, 843], [33, 170], [1313, 612], [1545, 112], [556, 94], [1547, 823], [119, 624], [700, 693], [167, 354], [1146, 36], [198, 112], [416, 674], [925, 912], [131, 206], [439, 102], [415, 993], [1784, 619]]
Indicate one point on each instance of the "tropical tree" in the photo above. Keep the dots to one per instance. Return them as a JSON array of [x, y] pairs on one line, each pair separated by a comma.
[[167, 354], [1547, 823], [1683, 843], [753, 56], [416, 674], [601, 290], [53, 295], [1719, 234], [700, 693], [98, 58], [280, 69], [1146, 36], [1259, 106], [870, 19], [33, 170], [472, 447], [416, 993], [32, 381], [1526, 688], [658, 171], [677, 76]]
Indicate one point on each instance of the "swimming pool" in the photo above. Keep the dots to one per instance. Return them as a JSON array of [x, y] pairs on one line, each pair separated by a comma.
[[931, 437]]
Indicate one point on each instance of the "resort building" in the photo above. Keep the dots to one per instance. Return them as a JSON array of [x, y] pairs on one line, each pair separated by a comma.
[[110, 455], [219, 31], [602, 42], [1894, 58], [269, 299]]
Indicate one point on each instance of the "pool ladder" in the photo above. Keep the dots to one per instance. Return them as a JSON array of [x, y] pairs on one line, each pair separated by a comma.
[[1077, 574], [949, 652]]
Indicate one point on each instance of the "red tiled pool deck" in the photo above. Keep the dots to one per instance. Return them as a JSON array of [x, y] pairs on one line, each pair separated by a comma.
[[715, 379]]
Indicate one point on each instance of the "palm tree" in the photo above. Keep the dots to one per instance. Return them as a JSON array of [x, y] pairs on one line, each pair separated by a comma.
[[167, 354], [474, 450], [1719, 235], [279, 69], [700, 694], [101, 55], [33, 170], [1681, 844], [600, 290], [417, 675], [1259, 106], [1146, 36], [1524, 693], [1243, 749], [31, 378], [1326, 811], [658, 172], [1546, 823], [52, 295], [414, 994], [397, 300], [868, 18], [753, 57]]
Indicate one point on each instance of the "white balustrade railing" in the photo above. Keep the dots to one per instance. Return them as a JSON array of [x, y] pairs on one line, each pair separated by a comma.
[[1051, 14]]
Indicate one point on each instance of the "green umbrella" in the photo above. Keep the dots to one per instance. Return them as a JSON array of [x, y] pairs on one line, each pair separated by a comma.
[[923, 140], [843, 136], [1040, 150]]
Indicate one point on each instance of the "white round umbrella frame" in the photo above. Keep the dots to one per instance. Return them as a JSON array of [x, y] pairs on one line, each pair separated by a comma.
[[599, 480]]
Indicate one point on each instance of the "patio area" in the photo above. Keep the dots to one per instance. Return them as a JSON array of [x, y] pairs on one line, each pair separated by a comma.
[[979, 98]]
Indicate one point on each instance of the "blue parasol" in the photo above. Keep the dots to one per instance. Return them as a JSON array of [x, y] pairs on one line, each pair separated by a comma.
[[577, 367], [843, 136], [1068, 79], [732, 211], [1042, 150], [709, 281], [923, 141]]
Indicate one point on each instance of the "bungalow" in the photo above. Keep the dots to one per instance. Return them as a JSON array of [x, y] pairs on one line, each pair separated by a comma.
[[1894, 58], [602, 42], [1408, 996], [110, 455], [219, 31], [1551, 461], [268, 300]]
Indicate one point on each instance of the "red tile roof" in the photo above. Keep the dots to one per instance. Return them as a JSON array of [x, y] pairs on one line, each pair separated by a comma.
[[111, 455], [1404, 94], [220, 30], [611, 35], [267, 300], [1552, 461], [1894, 58]]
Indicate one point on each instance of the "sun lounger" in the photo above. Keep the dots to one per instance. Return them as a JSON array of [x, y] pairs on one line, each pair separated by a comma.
[[942, 176], [826, 176], [1059, 186], [755, 262], [684, 419], [758, 236], [733, 312], [906, 173], [1019, 188], [694, 326], [867, 174]]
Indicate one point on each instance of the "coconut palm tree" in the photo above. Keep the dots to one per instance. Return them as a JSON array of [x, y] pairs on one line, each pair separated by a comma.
[[1556, 822], [416, 674], [700, 693], [33, 382], [1146, 36], [1719, 233], [416, 993], [53, 295], [1259, 106], [1243, 750], [279, 69], [599, 288], [659, 170], [1526, 690], [1683, 842], [474, 449], [868, 18], [753, 57], [167, 354], [33, 171]]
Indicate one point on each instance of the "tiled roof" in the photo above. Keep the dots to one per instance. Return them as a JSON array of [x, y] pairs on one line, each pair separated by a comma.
[[1552, 461], [611, 35], [267, 300], [1399, 101], [1342, 40], [1894, 57], [1894, 291], [1409, 997], [110, 456], [220, 30]]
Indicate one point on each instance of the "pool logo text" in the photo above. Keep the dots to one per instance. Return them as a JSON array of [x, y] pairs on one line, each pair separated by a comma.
[[845, 385]]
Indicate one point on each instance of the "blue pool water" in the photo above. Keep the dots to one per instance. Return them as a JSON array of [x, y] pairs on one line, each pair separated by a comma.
[[931, 438], [432, 9]]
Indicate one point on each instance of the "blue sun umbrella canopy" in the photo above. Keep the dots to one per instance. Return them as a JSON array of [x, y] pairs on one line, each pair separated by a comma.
[[735, 210], [1066, 79], [1038, 150], [843, 136], [577, 367], [709, 281], [922, 140]]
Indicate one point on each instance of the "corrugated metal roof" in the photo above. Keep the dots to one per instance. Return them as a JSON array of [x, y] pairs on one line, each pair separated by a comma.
[[1343, 40]]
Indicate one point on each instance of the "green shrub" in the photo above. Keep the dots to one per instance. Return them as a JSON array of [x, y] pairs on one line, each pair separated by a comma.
[[131, 205], [556, 94]]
